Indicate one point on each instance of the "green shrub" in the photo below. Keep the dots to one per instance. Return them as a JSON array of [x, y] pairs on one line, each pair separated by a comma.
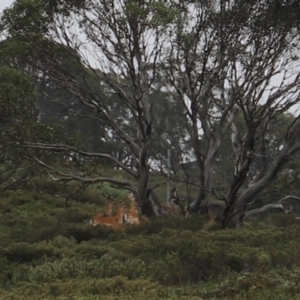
[[276, 285], [71, 215], [88, 250], [6, 270], [87, 233], [156, 225], [63, 242], [71, 267], [113, 288], [47, 251], [25, 253]]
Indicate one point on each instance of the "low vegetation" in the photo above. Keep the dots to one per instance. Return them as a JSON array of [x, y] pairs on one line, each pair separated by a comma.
[[47, 251]]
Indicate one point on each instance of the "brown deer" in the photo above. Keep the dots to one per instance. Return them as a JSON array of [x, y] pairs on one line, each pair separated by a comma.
[[116, 222], [213, 211], [132, 215], [174, 206], [109, 206]]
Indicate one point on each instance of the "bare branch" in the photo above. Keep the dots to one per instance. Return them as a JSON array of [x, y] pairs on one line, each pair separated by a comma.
[[66, 148], [265, 208], [283, 200], [64, 177]]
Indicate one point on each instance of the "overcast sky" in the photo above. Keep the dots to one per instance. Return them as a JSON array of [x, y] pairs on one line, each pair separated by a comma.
[[5, 4]]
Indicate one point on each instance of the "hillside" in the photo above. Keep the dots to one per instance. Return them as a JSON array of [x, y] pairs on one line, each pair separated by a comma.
[[47, 251]]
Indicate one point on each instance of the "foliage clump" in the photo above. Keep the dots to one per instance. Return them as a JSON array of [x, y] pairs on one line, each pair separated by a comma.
[[48, 250]]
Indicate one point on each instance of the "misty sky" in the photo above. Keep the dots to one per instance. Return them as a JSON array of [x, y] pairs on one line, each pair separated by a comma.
[[5, 4], [276, 80]]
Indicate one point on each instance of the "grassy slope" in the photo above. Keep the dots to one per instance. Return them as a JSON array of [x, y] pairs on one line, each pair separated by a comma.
[[47, 251]]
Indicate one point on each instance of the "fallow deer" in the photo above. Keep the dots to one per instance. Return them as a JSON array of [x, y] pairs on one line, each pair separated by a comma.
[[132, 215], [212, 210], [174, 206], [116, 222], [108, 208]]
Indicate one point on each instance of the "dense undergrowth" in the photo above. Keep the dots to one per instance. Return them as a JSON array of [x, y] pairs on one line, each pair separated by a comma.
[[47, 251]]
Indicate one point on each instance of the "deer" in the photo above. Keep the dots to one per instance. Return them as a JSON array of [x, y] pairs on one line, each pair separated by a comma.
[[174, 206], [109, 206], [213, 211], [116, 222], [132, 215]]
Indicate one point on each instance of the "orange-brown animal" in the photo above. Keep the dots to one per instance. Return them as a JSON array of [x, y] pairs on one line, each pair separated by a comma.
[[116, 222], [132, 215], [213, 211], [173, 209], [108, 208]]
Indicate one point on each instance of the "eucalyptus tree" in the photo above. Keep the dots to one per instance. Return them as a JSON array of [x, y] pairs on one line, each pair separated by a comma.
[[120, 43], [20, 120], [230, 61], [17, 109], [219, 61]]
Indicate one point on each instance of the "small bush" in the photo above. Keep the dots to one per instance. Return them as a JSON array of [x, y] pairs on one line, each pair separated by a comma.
[[47, 251], [71, 215], [62, 242], [70, 268], [25, 253], [88, 250], [156, 225], [87, 233]]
